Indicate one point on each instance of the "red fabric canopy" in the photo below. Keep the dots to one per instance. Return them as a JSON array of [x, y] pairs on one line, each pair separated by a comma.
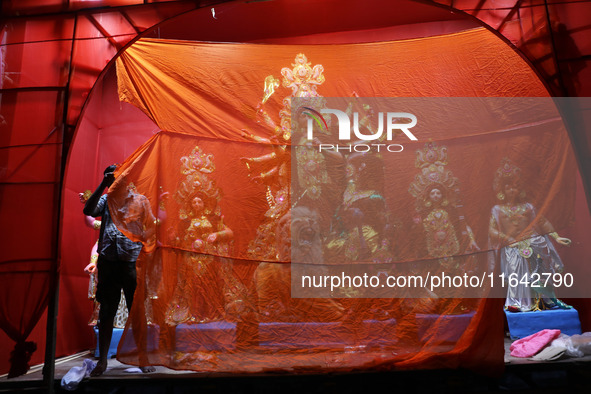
[[74, 43]]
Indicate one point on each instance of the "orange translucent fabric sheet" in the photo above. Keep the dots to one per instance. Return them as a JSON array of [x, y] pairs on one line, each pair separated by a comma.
[[214, 278]]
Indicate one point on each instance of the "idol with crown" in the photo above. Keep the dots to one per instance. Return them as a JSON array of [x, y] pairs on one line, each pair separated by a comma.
[[439, 220], [438, 207], [274, 169], [303, 185], [203, 240], [522, 240]]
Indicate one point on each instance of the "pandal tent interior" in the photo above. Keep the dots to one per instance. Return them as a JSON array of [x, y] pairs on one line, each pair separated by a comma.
[[167, 87]]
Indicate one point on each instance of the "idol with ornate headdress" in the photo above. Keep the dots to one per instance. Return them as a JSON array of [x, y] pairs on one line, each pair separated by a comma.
[[274, 169], [439, 209], [524, 249], [285, 190], [203, 240]]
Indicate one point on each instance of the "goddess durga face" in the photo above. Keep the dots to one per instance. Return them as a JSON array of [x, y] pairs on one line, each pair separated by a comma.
[[435, 195], [197, 205]]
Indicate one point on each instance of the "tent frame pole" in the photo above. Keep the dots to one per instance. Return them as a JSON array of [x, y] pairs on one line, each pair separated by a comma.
[[52, 309]]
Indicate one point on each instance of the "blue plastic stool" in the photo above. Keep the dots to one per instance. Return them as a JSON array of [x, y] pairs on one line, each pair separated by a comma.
[[117, 332], [523, 324]]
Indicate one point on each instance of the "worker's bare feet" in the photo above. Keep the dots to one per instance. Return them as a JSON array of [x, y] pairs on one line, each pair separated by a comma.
[[99, 369], [148, 369]]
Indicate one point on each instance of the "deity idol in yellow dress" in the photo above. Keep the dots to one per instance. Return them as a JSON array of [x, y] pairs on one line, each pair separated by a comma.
[[447, 239], [202, 293]]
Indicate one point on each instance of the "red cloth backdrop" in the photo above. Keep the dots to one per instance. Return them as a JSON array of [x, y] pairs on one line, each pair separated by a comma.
[[49, 65], [37, 50], [203, 96]]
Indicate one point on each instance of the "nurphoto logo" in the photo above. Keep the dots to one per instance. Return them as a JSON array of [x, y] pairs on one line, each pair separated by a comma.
[[394, 121]]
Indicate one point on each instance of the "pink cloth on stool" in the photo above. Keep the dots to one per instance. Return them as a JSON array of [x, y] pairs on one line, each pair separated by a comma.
[[532, 344]]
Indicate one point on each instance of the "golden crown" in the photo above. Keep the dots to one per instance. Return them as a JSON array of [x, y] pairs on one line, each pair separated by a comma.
[[506, 173], [303, 79], [197, 161], [432, 160], [196, 167]]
